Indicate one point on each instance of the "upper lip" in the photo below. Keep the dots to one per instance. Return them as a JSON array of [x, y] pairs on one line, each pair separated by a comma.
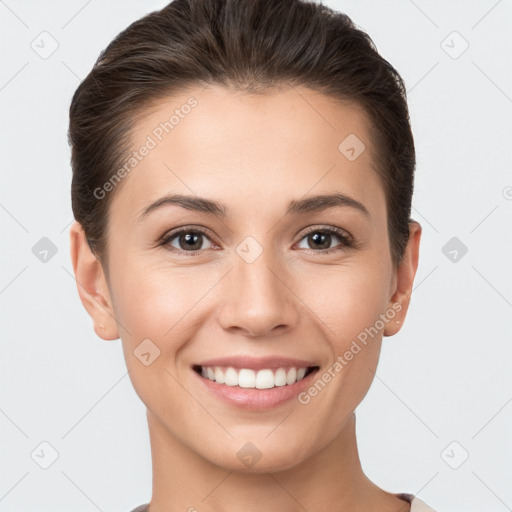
[[258, 363]]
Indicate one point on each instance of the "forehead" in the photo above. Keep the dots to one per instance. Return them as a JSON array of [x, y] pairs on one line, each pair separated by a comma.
[[236, 147]]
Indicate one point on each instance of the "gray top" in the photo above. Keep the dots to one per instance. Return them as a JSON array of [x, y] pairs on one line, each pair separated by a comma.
[[141, 508], [416, 504]]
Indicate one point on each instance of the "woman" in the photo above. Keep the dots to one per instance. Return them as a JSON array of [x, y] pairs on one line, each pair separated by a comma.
[[242, 184]]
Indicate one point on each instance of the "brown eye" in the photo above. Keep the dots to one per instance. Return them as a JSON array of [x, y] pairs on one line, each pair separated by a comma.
[[186, 240], [320, 240]]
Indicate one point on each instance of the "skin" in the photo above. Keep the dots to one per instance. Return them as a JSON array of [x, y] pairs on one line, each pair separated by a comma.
[[254, 154]]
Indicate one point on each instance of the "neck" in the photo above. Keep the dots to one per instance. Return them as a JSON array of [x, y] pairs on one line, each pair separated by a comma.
[[332, 479]]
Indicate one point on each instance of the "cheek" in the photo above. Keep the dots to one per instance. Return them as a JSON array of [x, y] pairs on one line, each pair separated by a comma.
[[152, 301], [347, 300], [151, 306], [160, 309]]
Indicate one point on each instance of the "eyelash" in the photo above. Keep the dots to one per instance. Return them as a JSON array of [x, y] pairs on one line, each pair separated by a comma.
[[347, 242]]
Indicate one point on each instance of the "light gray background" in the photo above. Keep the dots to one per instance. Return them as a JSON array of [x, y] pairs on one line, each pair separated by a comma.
[[444, 378]]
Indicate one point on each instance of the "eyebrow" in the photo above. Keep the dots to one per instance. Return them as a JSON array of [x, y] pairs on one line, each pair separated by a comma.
[[308, 204]]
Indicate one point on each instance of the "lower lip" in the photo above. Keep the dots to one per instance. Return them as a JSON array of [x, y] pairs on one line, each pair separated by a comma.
[[256, 399]]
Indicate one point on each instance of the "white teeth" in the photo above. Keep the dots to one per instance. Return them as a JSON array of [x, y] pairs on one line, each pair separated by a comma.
[[280, 377], [265, 379], [291, 376], [219, 375], [231, 377], [247, 378]]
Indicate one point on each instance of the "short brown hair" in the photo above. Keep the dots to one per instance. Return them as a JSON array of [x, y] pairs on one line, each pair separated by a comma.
[[251, 45]]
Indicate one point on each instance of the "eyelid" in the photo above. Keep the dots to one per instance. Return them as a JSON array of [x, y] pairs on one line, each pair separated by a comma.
[[193, 227], [347, 240], [165, 239], [339, 231]]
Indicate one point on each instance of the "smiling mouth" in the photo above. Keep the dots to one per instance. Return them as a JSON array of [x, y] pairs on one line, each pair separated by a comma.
[[265, 378]]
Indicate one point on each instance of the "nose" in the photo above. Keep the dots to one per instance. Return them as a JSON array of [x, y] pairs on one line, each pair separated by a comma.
[[258, 298]]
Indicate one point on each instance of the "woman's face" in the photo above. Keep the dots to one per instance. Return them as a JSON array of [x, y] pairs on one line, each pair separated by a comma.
[[268, 278]]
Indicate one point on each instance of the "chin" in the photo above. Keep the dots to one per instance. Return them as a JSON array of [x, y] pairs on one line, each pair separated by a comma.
[[253, 460]]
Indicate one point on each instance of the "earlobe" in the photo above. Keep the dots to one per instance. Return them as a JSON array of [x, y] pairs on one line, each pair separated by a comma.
[[404, 279], [91, 284]]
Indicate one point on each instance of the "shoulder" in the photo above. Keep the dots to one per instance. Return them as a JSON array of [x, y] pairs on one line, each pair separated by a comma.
[[417, 505], [420, 506], [141, 508]]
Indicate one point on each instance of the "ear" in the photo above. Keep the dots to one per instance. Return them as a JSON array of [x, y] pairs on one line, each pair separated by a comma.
[[403, 280], [92, 285]]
